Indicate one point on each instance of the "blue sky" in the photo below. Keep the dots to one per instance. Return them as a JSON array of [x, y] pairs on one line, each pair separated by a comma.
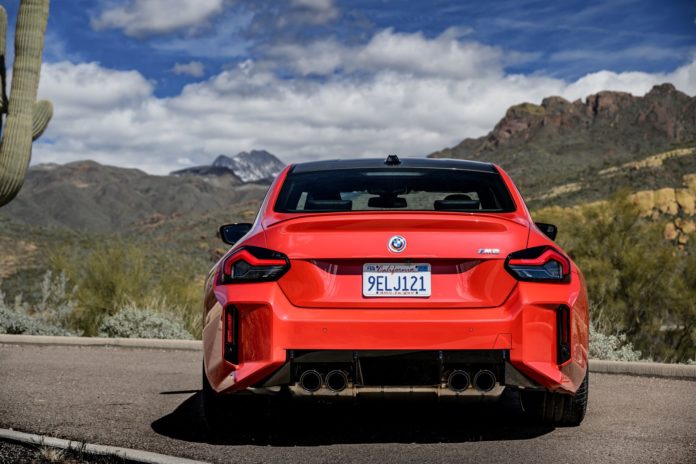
[[309, 79]]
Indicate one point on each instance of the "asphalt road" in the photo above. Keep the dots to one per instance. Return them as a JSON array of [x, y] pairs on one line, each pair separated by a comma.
[[148, 399]]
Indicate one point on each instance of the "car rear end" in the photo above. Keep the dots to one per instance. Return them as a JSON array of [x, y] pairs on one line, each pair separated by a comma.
[[422, 277]]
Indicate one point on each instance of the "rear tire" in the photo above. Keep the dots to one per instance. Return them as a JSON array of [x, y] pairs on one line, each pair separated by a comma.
[[215, 406], [557, 409], [221, 411]]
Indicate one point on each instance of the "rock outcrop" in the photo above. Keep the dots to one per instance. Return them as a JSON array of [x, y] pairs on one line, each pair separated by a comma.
[[560, 142]]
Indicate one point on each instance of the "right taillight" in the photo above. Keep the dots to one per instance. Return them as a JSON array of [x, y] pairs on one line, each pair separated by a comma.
[[539, 264]]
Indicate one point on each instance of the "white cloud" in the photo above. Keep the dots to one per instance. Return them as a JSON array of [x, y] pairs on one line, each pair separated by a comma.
[[152, 17], [443, 56], [225, 39], [315, 11], [387, 105], [192, 68], [88, 88]]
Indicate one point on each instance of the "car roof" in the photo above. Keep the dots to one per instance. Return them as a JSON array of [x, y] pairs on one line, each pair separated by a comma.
[[404, 163]]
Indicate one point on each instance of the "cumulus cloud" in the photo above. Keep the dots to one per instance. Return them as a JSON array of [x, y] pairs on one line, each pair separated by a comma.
[[368, 101], [444, 56], [192, 68], [141, 18], [88, 88]]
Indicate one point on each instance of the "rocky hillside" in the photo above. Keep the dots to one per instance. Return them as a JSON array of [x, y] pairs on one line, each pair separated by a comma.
[[88, 197], [569, 152], [560, 153], [253, 166]]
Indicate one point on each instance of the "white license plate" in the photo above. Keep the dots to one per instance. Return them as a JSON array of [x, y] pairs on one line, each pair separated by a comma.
[[396, 280]]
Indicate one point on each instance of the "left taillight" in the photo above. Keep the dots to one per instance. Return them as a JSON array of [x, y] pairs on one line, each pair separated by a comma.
[[539, 264], [253, 264]]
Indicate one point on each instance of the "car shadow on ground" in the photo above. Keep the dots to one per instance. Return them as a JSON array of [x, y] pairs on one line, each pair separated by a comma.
[[301, 423]]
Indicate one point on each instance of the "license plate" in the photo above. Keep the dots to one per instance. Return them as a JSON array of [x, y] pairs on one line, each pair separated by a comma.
[[396, 280]]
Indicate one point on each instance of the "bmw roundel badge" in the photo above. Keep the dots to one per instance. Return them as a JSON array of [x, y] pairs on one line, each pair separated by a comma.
[[397, 244]]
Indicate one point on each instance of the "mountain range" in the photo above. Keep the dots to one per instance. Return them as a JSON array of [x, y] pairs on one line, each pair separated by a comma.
[[558, 152], [85, 196]]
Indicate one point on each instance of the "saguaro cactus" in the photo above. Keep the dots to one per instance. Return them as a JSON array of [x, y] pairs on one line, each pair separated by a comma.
[[24, 118]]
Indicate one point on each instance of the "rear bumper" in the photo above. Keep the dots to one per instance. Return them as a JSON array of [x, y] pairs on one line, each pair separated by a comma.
[[524, 327]]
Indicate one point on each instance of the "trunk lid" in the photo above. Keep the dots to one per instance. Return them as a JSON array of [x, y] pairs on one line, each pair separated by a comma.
[[327, 254]]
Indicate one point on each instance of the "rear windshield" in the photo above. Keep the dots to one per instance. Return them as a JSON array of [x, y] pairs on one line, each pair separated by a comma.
[[389, 189]]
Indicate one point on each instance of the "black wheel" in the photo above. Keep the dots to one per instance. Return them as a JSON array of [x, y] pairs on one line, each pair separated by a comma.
[[557, 409], [215, 407], [221, 411]]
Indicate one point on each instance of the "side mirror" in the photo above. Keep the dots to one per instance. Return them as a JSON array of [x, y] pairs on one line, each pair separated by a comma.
[[232, 233], [548, 229]]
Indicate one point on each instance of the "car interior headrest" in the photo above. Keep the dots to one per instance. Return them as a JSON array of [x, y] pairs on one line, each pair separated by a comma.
[[457, 202], [386, 202], [328, 205]]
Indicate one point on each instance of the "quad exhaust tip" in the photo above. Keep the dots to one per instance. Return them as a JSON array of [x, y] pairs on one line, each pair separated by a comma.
[[336, 381], [458, 381], [484, 381], [310, 380]]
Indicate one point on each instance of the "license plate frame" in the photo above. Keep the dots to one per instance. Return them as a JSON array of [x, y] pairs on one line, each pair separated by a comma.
[[396, 280]]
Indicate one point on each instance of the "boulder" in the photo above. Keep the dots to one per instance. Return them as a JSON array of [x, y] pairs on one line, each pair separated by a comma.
[[686, 200], [670, 232], [666, 201], [645, 201], [686, 226]]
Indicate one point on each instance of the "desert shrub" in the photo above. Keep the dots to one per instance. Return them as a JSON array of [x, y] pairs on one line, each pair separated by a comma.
[[106, 277], [114, 274], [13, 317], [611, 347], [136, 322], [18, 318], [643, 285], [56, 304]]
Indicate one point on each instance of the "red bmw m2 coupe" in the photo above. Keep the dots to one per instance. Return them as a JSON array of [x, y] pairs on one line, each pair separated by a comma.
[[400, 277]]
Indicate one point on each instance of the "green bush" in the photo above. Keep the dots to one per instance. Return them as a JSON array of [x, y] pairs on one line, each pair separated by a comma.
[[643, 285], [50, 316], [611, 347], [56, 304], [113, 274], [135, 322]]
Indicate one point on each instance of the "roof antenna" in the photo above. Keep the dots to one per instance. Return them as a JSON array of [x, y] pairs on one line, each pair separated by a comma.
[[392, 160]]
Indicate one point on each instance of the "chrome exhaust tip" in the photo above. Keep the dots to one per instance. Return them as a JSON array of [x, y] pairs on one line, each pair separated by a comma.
[[310, 380], [458, 381], [336, 381], [484, 381]]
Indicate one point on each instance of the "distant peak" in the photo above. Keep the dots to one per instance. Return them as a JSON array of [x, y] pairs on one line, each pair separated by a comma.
[[222, 161], [249, 166], [253, 153], [666, 87], [662, 89]]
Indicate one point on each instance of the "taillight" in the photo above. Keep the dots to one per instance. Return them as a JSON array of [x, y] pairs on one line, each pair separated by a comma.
[[539, 264], [253, 264], [231, 326]]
